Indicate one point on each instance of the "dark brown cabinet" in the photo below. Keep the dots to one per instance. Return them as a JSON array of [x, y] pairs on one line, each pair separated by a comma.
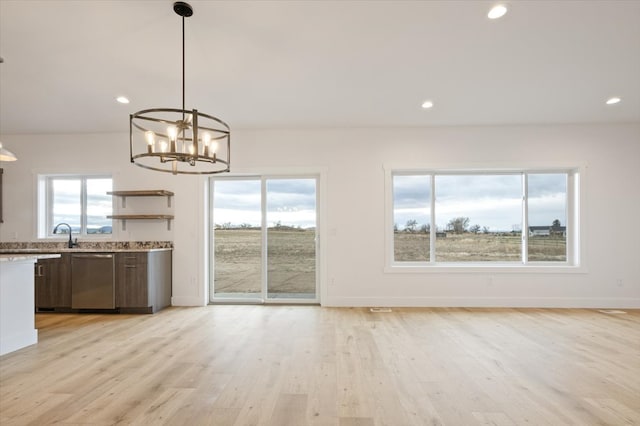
[[143, 281], [53, 284], [131, 280]]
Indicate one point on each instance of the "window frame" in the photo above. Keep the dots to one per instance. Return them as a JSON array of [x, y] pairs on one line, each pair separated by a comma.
[[45, 197], [575, 241]]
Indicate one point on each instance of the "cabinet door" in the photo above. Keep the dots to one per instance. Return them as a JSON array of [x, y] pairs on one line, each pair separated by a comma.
[[45, 293], [53, 283], [131, 280]]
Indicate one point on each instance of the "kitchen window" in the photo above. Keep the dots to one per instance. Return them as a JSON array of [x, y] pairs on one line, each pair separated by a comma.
[[78, 200], [504, 218]]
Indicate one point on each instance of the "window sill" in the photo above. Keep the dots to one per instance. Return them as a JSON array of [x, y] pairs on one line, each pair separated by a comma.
[[475, 268]]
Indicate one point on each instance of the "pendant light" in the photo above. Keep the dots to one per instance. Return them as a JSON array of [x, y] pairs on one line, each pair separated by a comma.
[[6, 155], [179, 141]]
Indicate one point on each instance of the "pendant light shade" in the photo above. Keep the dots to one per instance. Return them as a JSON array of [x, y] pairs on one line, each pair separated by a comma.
[[179, 141], [6, 155]]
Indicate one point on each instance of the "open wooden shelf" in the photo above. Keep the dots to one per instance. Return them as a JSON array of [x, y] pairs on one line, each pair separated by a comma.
[[141, 216], [125, 217], [142, 193]]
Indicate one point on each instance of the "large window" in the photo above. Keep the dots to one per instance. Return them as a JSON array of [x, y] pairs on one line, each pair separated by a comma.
[[488, 217], [78, 200]]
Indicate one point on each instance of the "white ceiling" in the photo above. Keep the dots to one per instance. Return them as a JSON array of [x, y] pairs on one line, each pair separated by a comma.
[[301, 64]]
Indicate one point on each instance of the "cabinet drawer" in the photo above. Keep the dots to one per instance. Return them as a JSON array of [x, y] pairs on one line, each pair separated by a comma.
[[131, 259]]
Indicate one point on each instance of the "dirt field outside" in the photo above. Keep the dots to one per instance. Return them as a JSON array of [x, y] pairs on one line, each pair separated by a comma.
[[291, 256], [470, 247], [291, 262]]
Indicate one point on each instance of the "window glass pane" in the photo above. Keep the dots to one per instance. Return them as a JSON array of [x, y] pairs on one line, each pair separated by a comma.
[[547, 201], [411, 218], [291, 238], [237, 214], [98, 206], [478, 218], [66, 204]]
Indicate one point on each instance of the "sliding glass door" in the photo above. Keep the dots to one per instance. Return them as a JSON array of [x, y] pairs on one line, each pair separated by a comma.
[[264, 240]]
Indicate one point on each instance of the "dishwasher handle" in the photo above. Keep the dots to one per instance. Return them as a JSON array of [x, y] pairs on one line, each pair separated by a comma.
[[92, 256]]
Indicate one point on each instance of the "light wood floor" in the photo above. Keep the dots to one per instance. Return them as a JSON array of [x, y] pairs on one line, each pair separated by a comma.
[[297, 365]]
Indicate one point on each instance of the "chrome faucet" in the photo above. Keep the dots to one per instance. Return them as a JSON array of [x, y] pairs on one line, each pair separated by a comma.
[[71, 244]]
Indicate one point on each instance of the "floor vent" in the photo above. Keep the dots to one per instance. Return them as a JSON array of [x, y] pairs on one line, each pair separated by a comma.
[[612, 311], [380, 310]]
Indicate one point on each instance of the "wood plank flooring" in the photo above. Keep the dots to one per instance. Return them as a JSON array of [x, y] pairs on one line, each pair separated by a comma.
[[306, 365]]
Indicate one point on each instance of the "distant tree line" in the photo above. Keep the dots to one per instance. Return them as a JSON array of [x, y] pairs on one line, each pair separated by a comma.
[[457, 225], [247, 226], [229, 225]]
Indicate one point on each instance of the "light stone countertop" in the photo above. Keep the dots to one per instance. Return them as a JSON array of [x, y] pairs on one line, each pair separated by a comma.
[[39, 247], [43, 251], [21, 257]]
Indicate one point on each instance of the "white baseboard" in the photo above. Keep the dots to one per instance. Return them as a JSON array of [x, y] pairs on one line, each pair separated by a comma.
[[488, 302], [460, 302], [187, 301]]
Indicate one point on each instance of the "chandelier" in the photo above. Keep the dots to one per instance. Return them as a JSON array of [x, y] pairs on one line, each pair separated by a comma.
[[179, 141]]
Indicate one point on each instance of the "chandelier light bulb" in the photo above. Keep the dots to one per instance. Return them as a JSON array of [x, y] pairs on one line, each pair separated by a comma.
[[163, 146], [150, 137], [206, 138], [172, 132]]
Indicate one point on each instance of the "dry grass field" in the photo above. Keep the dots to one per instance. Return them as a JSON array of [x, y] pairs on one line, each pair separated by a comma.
[[469, 247], [291, 261]]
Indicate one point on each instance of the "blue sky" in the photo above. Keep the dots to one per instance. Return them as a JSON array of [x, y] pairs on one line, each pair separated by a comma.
[[494, 201], [290, 202]]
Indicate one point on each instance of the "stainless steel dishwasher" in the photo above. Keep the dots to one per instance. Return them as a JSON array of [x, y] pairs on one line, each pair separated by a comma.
[[92, 281]]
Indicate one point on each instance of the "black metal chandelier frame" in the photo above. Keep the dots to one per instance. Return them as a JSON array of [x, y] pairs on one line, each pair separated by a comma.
[[179, 141]]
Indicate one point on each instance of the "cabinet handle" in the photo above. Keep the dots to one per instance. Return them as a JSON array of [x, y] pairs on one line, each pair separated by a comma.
[[40, 273], [130, 266], [91, 256]]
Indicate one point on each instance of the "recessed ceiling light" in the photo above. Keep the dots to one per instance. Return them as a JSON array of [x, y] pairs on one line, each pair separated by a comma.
[[497, 11], [122, 100], [427, 104], [613, 100]]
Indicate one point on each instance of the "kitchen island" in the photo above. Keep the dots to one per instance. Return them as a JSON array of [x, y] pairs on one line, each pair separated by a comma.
[[17, 320]]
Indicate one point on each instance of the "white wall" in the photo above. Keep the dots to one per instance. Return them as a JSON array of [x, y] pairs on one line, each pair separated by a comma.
[[354, 226]]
